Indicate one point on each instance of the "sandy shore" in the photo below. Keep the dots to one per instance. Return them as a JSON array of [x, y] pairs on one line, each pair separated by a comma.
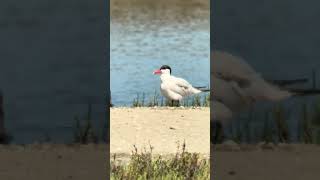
[[53, 162], [82, 162], [230, 162], [294, 162], [163, 128]]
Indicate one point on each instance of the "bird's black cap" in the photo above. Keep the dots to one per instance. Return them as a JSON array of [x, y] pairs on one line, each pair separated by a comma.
[[166, 67]]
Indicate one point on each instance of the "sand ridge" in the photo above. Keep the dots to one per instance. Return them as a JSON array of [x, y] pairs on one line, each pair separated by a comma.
[[164, 128]]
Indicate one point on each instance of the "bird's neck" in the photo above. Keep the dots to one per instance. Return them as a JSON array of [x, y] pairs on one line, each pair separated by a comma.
[[163, 77]]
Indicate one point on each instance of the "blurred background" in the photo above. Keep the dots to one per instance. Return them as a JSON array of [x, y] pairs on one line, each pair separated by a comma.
[[280, 40], [52, 67]]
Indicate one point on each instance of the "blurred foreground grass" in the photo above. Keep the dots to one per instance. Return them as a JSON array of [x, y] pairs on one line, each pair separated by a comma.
[[274, 125], [144, 166]]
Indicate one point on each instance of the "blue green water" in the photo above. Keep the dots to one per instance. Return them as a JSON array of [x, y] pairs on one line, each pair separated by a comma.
[[142, 42]]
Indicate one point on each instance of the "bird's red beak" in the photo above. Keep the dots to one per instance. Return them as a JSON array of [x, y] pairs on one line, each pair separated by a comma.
[[158, 71]]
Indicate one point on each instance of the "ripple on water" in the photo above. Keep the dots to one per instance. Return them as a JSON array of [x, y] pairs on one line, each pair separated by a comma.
[[146, 36]]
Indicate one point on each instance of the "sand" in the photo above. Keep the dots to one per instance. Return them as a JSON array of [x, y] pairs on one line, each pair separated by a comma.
[[229, 161], [294, 162], [83, 162], [162, 128], [53, 162]]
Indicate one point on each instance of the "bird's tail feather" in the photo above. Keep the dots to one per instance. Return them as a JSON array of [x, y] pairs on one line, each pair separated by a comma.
[[200, 87], [203, 89], [304, 92]]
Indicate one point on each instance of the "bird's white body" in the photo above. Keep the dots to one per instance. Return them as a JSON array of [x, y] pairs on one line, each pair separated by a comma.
[[174, 88], [238, 86]]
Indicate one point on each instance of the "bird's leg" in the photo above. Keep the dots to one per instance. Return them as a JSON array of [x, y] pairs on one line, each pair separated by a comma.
[[173, 103], [216, 132], [177, 103]]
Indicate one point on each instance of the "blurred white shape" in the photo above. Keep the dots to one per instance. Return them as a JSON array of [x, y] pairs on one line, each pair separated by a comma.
[[238, 86]]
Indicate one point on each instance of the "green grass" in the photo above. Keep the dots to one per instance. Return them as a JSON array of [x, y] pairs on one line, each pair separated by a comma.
[[281, 123], [274, 127], [144, 166], [84, 132], [157, 100], [305, 130]]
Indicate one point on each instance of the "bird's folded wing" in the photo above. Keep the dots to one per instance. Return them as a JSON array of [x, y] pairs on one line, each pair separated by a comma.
[[179, 89], [241, 81], [179, 86], [181, 82], [237, 90]]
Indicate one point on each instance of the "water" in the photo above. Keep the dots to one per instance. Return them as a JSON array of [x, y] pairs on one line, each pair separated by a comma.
[[52, 64], [279, 39], [145, 36]]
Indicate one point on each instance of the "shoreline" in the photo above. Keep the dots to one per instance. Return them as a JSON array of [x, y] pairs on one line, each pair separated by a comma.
[[164, 128], [79, 161]]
